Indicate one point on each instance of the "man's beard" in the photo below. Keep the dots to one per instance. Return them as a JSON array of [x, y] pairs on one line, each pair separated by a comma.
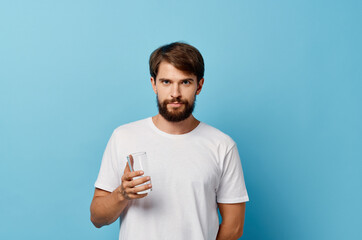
[[176, 115]]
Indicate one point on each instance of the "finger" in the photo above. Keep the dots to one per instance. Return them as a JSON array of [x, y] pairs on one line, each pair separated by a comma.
[[130, 175], [126, 169], [131, 195], [129, 168], [138, 181], [129, 164], [138, 189], [132, 162], [136, 196], [125, 173], [135, 174]]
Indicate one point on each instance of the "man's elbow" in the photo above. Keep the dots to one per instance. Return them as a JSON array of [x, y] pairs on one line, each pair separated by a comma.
[[238, 231], [97, 220], [97, 223], [233, 231]]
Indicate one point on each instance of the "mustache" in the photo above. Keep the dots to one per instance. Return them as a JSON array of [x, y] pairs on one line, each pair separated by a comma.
[[175, 100]]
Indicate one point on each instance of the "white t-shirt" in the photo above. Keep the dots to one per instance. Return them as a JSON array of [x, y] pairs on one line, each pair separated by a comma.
[[190, 174]]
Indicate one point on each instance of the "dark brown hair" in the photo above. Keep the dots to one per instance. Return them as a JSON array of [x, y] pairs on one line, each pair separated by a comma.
[[181, 55]]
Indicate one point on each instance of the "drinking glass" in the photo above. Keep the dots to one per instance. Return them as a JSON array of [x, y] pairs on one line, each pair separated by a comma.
[[139, 162]]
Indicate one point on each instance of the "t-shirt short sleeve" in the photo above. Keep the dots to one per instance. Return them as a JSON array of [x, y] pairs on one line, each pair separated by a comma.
[[232, 185], [109, 177]]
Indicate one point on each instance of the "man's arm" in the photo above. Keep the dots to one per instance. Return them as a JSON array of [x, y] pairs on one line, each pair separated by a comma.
[[106, 207], [231, 227]]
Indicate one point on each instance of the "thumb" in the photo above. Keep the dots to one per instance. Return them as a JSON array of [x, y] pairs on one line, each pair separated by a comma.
[[129, 164]]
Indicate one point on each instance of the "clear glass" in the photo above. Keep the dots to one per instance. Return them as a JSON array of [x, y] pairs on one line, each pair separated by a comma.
[[139, 162]]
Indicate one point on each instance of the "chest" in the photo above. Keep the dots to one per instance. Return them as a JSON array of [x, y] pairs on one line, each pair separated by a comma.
[[183, 168]]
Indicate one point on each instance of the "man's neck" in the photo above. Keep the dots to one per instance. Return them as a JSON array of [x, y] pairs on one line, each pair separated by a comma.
[[181, 127]]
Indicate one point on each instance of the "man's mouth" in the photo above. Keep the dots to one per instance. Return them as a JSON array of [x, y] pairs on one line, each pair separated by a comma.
[[175, 104]]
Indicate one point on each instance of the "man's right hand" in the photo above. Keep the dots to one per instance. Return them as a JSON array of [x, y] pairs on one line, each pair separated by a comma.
[[129, 187], [107, 206]]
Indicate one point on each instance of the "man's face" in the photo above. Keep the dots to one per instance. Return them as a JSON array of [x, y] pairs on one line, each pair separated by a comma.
[[176, 92]]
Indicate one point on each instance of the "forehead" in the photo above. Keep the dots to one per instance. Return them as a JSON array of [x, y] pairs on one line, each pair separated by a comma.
[[168, 71]]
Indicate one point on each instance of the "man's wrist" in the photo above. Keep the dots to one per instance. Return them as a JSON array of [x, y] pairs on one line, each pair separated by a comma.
[[120, 194]]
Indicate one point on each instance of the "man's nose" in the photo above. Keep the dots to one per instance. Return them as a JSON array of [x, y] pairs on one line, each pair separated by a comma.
[[175, 92]]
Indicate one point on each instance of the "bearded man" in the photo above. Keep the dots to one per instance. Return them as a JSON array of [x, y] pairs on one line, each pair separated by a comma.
[[194, 169]]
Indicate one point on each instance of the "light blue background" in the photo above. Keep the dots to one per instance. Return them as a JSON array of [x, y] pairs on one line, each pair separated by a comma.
[[283, 78]]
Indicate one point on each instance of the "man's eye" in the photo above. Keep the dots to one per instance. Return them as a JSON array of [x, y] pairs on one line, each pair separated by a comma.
[[165, 82], [186, 82]]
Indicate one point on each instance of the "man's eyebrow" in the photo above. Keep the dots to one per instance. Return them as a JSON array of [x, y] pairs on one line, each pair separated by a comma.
[[185, 79]]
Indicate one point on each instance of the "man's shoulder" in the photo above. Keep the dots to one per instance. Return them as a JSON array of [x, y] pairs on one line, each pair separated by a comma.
[[217, 135], [132, 126]]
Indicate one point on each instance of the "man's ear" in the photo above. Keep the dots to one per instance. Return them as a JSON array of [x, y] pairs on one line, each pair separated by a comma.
[[199, 86], [153, 82]]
